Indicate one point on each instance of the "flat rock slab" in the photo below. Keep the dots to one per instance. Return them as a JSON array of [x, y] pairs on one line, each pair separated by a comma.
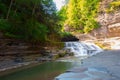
[[69, 79], [104, 66], [101, 69], [83, 73], [78, 69], [72, 75]]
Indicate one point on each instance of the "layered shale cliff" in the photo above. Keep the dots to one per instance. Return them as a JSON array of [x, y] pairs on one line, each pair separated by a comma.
[[108, 20], [14, 49]]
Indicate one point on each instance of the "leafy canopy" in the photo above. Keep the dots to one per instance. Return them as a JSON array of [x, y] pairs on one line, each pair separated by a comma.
[[81, 15], [31, 20]]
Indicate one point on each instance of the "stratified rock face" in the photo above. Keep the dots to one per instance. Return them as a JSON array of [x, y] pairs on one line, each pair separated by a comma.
[[14, 49], [114, 29], [107, 18], [109, 21]]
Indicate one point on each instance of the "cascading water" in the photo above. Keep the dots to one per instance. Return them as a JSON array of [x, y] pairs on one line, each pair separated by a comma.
[[82, 49]]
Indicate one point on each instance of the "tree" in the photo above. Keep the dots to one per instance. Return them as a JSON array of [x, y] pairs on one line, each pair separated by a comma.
[[62, 17], [11, 3], [81, 15], [28, 19]]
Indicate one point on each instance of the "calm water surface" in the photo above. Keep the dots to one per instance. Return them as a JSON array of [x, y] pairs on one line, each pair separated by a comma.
[[45, 71]]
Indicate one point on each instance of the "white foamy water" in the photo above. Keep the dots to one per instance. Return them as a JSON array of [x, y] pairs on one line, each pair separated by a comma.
[[82, 49]]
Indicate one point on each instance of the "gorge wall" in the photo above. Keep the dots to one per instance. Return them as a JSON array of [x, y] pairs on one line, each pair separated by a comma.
[[14, 49], [19, 50], [109, 23]]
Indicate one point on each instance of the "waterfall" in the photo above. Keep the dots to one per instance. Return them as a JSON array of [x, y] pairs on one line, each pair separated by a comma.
[[82, 49]]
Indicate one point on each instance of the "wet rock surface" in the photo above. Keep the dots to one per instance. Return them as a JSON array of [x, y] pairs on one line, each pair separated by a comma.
[[103, 66], [86, 74]]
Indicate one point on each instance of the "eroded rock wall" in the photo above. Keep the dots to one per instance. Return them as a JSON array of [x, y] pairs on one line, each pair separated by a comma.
[[109, 21], [14, 48]]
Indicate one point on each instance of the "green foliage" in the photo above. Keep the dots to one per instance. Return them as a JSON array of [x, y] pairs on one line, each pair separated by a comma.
[[28, 19], [3, 9], [81, 15], [31, 30], [62, 16], [65, 34], [36, 31], [115, 5], [4, 25], [90, 25]]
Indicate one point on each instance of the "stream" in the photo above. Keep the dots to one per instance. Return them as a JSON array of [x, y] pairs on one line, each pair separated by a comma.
[[44, 71], [49, 70]]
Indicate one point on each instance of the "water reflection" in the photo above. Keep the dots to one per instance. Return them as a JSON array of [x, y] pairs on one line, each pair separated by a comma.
[[46, 71]]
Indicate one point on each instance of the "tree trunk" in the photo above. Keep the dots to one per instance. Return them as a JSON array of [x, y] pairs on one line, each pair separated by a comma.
[[11, 3], [35, 5]]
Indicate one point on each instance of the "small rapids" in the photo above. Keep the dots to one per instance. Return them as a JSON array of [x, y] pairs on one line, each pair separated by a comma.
[[82, 49]]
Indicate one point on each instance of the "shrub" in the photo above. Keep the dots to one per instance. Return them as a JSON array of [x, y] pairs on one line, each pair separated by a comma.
[[115, 5], [30, 30], [4, 25]]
